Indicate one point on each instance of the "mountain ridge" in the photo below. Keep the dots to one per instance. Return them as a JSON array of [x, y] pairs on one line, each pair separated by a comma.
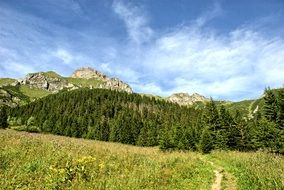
[[44, 83]]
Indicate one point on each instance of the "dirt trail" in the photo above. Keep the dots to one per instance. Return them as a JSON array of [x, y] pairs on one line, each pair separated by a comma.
[[218, 179], [219, 175]]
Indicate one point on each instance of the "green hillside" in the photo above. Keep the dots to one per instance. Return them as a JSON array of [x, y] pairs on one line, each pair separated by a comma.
[[12, 96], [81, 82], [141, 120], [6, 81]]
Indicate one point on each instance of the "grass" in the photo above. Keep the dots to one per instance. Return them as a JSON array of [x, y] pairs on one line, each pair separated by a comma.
[[40, 161], [33, 92], [252, 170], [15, 92], [242, 106], [6, 81], [84, 82], [52, 74]]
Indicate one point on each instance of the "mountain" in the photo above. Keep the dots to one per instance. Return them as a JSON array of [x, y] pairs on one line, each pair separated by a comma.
[[186, 99], [83, 77], [37, 85]]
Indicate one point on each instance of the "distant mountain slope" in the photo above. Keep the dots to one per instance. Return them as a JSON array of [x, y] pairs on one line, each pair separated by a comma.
[[40, 84], [186, 99], [12, 96]]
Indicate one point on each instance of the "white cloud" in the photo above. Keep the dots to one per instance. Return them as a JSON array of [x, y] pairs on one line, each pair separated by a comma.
[[214, 12], [149, 88], [64, 55], [235, 65], [135, 21]]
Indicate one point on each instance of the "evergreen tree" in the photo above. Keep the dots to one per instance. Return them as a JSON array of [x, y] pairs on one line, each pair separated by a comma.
[[270, 106], [206, 141], [3, 118], [280, 109]]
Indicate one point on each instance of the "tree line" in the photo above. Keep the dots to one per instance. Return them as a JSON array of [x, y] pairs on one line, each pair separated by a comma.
[[145, 121]]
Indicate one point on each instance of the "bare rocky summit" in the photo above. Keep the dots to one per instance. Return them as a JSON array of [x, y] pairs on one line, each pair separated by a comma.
[[43, 81], [107, 83], [88, 73], [53, 82], [185, 98]]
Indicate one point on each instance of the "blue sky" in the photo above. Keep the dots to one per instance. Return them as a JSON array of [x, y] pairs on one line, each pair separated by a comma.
[[225, 49]]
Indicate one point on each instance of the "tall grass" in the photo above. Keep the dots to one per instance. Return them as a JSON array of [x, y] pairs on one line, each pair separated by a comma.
[[39, 161], [253, 170]]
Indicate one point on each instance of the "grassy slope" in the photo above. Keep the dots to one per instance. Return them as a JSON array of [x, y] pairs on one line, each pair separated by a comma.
[[15, 92], [252, 170], [38, 161], [84, 82], [242, 106], [33, 92], [6, 81], [52, 74]]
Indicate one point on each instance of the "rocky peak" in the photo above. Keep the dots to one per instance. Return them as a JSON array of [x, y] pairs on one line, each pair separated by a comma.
[[53, 82], [88, 73], [107, 83], [185, 98], [116, 84], [45, 81]]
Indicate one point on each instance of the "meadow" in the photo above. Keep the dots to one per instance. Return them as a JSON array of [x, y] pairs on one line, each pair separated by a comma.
[[43, 161]]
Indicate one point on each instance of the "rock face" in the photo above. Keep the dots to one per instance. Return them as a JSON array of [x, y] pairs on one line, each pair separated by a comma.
[[107, 83], [40, 80], [116, 84], [7, 99], [185, 98], [53, 82], [88, 73]]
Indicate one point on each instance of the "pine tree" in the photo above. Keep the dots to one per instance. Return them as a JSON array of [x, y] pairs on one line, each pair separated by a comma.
[[206, 141], [3, 118], [270, 105], [280, 109]]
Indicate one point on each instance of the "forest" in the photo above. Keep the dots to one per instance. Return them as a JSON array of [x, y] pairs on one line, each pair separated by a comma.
[[114, 116]]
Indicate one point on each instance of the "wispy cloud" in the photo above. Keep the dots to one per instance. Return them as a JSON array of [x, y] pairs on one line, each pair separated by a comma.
[[238, 65], [213, 12], [63, 55], [135, 20]]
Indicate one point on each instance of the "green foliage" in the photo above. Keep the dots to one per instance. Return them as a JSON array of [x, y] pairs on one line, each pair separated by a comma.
[[3, 118], [15, 92], [84, 82], [6, 81], [146, 121], [206, 141], [270, 107], [33, 92], [52, 74]]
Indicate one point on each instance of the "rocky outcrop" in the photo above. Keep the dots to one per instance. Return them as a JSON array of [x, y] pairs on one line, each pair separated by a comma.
[[53, 82], [185, 98], [107, 83], [88, 73], [8, 99], [116, 84], [40, 80]]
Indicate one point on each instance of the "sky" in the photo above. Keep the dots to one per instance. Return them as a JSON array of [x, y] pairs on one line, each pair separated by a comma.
[[224, 49]]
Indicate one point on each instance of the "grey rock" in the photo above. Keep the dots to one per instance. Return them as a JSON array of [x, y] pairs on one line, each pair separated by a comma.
[[185, 98]]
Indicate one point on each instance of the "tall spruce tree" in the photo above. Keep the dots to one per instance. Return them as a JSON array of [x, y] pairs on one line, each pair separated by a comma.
[[280, 109], [206, 141], [270, 106], [3, 118]]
